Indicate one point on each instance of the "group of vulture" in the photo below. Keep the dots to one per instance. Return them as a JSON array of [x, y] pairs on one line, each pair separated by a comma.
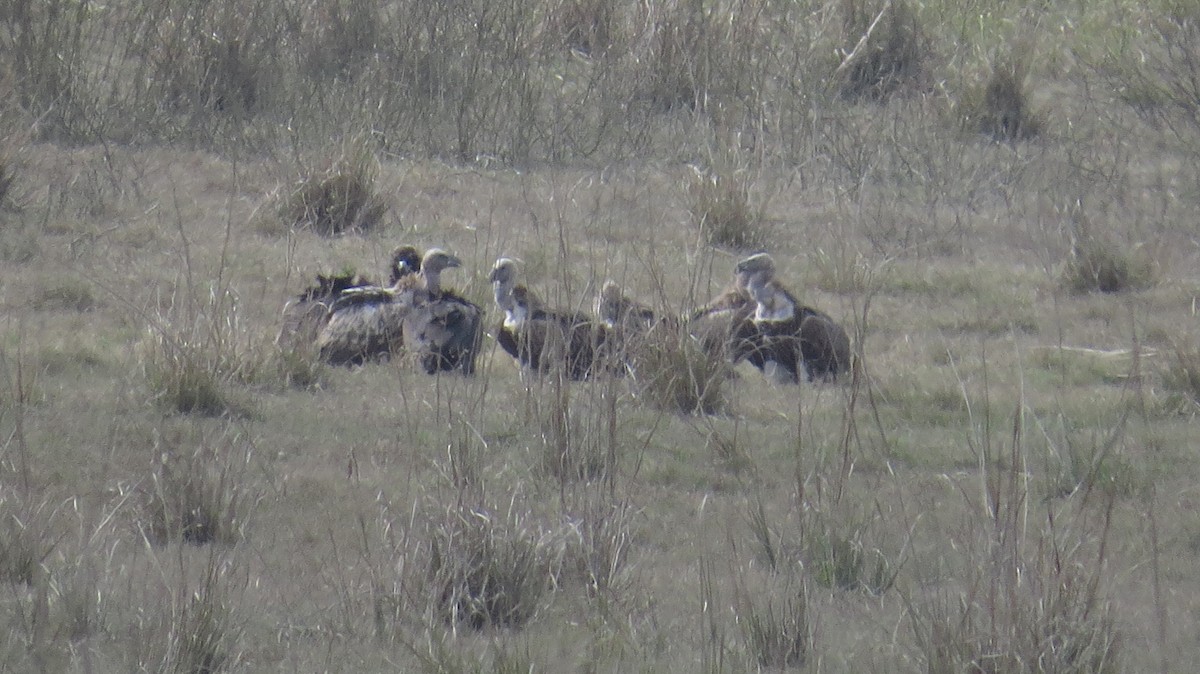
[[351, 321]]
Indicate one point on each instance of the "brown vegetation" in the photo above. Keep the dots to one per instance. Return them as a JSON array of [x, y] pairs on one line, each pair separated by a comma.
[[1005, 480]]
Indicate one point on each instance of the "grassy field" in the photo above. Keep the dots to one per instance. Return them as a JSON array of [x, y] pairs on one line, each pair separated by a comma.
[[997, 200]]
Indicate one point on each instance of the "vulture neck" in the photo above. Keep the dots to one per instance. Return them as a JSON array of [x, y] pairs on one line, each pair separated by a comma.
[[432, 280], [503, 293], [773, 302]]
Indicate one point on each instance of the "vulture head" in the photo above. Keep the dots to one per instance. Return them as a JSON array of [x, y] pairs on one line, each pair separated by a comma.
[[757, 265], [433, 264], [756, 269], [503, 279], [406, 260], [608, 303]]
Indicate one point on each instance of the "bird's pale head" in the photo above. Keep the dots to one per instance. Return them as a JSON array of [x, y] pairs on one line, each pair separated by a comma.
[[608, 302], [504, 272], [436, 260], [760, 266]]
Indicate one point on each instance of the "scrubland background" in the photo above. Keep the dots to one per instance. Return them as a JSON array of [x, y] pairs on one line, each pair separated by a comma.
[[998, 199]]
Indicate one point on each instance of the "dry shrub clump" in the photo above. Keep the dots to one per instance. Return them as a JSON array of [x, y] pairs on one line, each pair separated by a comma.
[[64, 295], [196, 498], [485, 568], [192, 356], [1099, 265], [598, 542], [676, 373], [338, 37], [1182, 375], [8, 184], [203, 633], [46, 48], [589, 27], [1006, 623], [218, 59], [1027, 593], [721, 209], [1002, 111], [25, 539], [683, 43], [838, 555], [578, 433], [887, 50], [774, 619], [340, 200]]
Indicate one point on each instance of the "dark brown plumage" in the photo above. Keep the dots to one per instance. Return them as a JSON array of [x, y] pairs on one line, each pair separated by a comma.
[[366, 324], [542, 339], [446, 329], [618, 311], [369, 323], [307, 315], [633, 328], [791, 335], [725, 326]]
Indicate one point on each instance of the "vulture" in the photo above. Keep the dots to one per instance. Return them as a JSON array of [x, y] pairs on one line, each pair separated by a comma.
[[306, 315], [445, 328], [622, 313], [631, 324], [373, 322], [725, 326], [790, 335], [541, 339]]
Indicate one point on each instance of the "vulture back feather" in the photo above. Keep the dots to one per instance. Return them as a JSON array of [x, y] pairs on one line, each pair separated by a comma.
[[725, 327], [366, 324], [307, 313]]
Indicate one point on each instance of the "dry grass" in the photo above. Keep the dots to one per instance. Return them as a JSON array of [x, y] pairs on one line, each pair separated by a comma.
[[196, 497], [341, 200], [194, 355], [675, 373], [25, 539], [486, 569], [1097, 265], [1007, 479], [886, 49], [9, 201], [1182, 374], [775, 625], [721, 210], [1004, 112]]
